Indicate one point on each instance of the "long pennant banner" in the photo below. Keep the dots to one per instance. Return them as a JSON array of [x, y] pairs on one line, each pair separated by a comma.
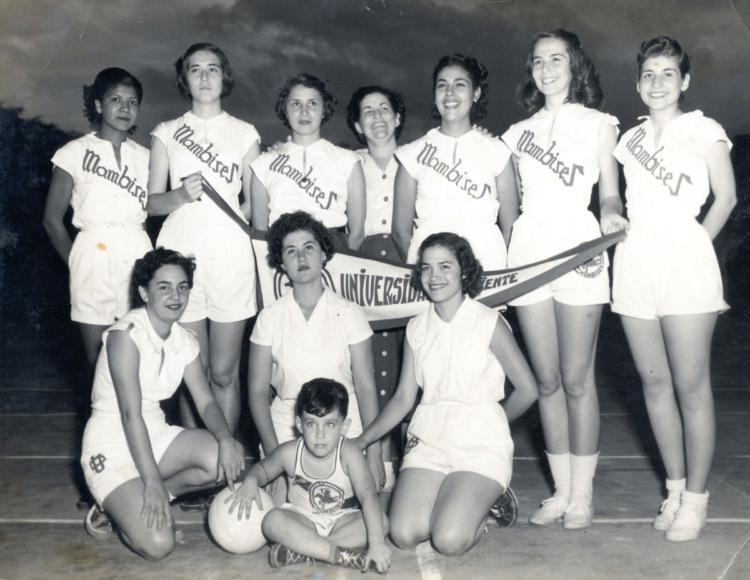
[[382, 287]]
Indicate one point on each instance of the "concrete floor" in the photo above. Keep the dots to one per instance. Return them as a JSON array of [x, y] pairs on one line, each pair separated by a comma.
[[41, 533]]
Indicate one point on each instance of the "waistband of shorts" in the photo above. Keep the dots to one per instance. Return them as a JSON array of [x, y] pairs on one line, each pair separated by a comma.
[[112, 228]]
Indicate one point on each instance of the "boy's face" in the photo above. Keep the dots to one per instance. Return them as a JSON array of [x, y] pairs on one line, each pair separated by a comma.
[[321, 434]]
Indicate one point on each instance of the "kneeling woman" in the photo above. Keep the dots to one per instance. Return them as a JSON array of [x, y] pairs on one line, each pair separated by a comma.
[[459, 453], [134, 462]]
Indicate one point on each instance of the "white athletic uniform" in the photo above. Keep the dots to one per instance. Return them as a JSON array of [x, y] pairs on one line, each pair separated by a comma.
[[303, 350], [224, 284], [558, 164], [312, 179], [667, 264], [457, 192], [105, 457], [322, 500], [459, 424], [109, 207]]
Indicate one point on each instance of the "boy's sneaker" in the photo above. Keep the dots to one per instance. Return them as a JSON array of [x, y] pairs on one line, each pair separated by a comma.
[[667, 513], [352, 559], [505, 510], [97, 524], [280, 555]]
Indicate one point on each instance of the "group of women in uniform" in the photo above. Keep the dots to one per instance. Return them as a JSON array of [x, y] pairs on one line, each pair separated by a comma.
[[449, 203]]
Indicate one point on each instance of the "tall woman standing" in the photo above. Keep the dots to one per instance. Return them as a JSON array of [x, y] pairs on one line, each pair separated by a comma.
[[206, 143], [667, 283], [560, 153], [455, 178]]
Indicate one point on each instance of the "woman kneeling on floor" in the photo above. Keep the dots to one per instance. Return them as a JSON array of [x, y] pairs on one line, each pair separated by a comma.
[[133, 461]]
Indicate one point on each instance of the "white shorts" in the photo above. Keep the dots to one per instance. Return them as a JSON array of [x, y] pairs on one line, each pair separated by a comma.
[[451, 437], [101, 263], [324, 523], [105, 455], [664, 269], [533, 240], [282, 417], [486, 241], [224, 281]]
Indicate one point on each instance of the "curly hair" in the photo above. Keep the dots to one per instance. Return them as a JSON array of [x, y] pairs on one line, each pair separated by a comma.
[[584, 83], [105, 80], [311, 82], [182, 63], [321, 396], [471, 268], [294, 222], [354, 111], [145, 268], [479, 75]]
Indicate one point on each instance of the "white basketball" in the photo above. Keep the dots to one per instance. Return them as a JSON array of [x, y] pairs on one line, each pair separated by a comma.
[[237, 536]]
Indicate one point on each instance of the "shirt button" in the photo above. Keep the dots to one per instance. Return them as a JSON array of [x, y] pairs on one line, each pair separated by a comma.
[[382, 392], [385, 176], [384, 353], [385, 198], [385, 333], [384, 222], [383, 252], [383, 373]]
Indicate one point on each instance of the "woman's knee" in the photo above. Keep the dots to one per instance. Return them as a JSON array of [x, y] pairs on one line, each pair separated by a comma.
[[225, 373], [452, 540], [153, 544], [549, 385], [404, 534]]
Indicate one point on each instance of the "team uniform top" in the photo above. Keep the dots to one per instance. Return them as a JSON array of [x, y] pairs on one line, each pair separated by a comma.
[[452, 360], [162, 363], [105, 193], [306, 349], [321, 495], [668, 179], [558, 164], [456, 189], [215, 147], [313, 179], [379, 184]]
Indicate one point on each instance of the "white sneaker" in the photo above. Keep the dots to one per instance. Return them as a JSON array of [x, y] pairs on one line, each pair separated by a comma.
[[667, 513], [97, 524], [550, 512], [579, 515], [689, 521]]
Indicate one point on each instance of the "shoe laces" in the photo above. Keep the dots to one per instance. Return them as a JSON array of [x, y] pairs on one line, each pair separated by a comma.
[[556, 501], [671, 504], [352, 559]]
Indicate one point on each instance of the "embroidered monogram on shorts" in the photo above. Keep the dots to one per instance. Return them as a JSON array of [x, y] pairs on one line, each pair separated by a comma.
[[97, 462]]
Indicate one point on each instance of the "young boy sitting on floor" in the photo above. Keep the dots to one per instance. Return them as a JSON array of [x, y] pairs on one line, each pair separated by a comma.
[[328, 482]]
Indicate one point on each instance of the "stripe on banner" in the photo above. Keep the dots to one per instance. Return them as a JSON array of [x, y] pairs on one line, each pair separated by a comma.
[[382, 287]]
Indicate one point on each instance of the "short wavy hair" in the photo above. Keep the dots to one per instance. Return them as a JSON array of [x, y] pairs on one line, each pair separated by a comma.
[[145, 268], [294, 222], [584, 83], [471, 268], [354, 109], [479, 79], [321, 396], [105, 80], [311, 82], [181, 66]]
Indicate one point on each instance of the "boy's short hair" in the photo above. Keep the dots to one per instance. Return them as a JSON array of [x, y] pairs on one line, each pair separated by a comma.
[[320, 397]]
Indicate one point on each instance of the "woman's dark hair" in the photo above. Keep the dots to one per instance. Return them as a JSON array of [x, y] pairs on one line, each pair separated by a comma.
[[181, 66], [294, 222], [584, 80], [478, 74], [664, 46], [105, 80], [471, 269], [145, 268], [354, 111], [311, 82], [321, 396]]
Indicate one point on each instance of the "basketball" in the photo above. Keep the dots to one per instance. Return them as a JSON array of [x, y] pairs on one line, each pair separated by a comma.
[[233, 535]]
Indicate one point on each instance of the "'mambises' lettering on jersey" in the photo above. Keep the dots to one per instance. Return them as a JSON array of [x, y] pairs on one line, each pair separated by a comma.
[[453, 174], [305, 181], [654, 164], [548, 158], [206, 155], [92, 163]]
